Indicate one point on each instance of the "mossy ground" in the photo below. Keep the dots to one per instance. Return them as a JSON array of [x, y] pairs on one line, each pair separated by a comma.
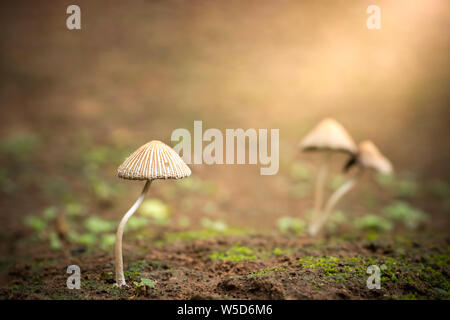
[[248, 267]]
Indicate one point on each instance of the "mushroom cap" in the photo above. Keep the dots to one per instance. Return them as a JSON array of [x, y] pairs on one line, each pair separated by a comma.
[[370, 157], [154, 160], [329, 135]]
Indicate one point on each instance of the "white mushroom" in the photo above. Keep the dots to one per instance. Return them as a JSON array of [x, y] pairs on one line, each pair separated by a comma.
[[328, 136], [368, 157], [154, 160]]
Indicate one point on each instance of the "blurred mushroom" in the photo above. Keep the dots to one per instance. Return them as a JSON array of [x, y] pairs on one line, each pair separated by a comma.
[[368, 157], [154, 160], [328, 136]]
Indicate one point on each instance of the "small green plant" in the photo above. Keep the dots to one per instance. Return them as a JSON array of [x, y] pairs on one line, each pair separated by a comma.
[[218, 225], [337, 219], [107, 241], [156, 210], [36, 223], [406, 187], [19, 146], [56, 188], [74, 209], [136, 223], [373, 223], [291, 225], [49, 213], [280, 252], [39, 224], [404, 213], [144, 286], [7, 185], [440, 189], [86, 239], [189, 185], [104, 190], [55, 243], [145, 283], [100, 155], [98, 225]]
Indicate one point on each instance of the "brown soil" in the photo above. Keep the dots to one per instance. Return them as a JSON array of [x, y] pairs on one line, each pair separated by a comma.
[[184, 270]]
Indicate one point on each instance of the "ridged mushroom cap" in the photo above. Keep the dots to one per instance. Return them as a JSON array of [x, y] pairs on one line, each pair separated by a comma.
[[154, 160], [370, 157], [329, 135]]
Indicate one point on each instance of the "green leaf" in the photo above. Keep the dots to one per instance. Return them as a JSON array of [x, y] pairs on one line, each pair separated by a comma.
[[55, 243], [156, 210], [218, 225], [107, 241], [293, 225], [35, 223], [148, 282], [19, 146], [87, 239], [98, 225], [145, 283], [404, 213], [74, 209], [50, 213], [441, 189], [136, 222], [373, 223]]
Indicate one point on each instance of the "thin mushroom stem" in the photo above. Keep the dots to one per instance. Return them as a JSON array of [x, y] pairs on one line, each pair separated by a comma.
[[120, 278], [320, 188], [332, 202]]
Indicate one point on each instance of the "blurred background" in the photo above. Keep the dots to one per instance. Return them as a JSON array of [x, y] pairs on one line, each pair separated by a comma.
[[74, 104]]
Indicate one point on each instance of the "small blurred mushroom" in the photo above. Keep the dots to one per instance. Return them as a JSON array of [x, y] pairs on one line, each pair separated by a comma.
[[368, 157], [328, 136], [154, 160]]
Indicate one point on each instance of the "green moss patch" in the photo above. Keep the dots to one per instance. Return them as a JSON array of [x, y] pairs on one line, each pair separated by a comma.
[[236, 254]]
